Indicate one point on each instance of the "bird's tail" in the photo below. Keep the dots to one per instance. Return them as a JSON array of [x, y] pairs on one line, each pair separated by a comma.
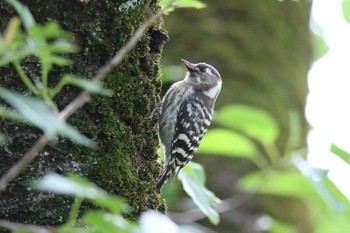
[[164, 176]]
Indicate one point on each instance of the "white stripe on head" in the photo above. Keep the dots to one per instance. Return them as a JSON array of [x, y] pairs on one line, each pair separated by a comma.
[[213, 92], [208, 71]]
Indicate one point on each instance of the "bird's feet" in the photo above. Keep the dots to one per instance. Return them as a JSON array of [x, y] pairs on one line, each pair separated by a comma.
[[155, 109]]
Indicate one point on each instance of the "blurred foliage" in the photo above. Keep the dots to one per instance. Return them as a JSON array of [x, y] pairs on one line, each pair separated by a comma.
[[251, 121], [346, 10], [246, 129], [320, 46], [193, 180], [345, 156], [276, 226], [266, 46], [180, 4], [243, 131], [229, 143], [109, 209], [48, 43], [39, 114], [326, 204], [260, 48]]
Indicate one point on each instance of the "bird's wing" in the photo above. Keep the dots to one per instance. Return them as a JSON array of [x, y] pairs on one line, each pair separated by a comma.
[[192, 123]]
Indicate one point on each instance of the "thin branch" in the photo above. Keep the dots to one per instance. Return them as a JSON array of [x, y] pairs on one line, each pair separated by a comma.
[[194, 215], [80, 100], [24, 227], [28, 157]]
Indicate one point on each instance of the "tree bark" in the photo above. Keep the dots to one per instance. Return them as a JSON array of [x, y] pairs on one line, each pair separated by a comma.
[[125, 162]]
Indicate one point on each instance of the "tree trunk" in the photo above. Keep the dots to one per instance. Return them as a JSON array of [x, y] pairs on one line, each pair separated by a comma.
[[125, 161]]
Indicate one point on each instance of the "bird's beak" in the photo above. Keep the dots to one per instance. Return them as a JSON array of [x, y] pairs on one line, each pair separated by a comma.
[[190, 66]]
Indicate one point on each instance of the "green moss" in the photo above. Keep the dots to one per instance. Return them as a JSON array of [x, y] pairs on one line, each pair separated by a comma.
[[125, 163]]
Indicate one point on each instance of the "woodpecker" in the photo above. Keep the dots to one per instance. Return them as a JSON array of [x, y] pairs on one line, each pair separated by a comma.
[[185, 116]]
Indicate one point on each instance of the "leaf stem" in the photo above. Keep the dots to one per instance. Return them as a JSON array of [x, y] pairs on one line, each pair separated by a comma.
[[56, 89], [72, 218], [26, 80], [273, 153], [44, 80], [12, 115]]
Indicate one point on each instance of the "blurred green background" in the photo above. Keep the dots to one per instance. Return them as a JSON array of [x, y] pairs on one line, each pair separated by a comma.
[[250, 174], [254, 154]]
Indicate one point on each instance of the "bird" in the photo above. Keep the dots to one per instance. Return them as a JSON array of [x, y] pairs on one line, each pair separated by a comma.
[[185, 115]]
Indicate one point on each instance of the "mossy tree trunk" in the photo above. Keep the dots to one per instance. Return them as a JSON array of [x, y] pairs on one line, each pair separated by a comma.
[[262, 50], [125, 161]]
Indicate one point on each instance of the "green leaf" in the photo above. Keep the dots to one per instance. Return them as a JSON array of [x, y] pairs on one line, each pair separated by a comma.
[[73, 186], [333, 224], [106, 223], [60, 61], [312, 186], [62, 45], [90, 85], [336, 201], [12, 43], [24, 13], [180, 4], [189, 4], [346, 10], [12, 30], [41, 41], [228, 143], [12, 115], [8, 56], [291, 184], [50, 30], [192, 177], [333, 199], [345, 156], [155, 222], [251, 121], [37, 113], [278, 226], [79, 187], [320, 46]]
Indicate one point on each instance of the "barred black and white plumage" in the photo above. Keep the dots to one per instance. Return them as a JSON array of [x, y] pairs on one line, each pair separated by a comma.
[[185, 116]]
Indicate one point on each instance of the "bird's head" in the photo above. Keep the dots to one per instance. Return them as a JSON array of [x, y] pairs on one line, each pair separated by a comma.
[[202, 75]]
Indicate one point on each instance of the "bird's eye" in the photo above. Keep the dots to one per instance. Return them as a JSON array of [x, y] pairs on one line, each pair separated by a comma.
[[202, 69]]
